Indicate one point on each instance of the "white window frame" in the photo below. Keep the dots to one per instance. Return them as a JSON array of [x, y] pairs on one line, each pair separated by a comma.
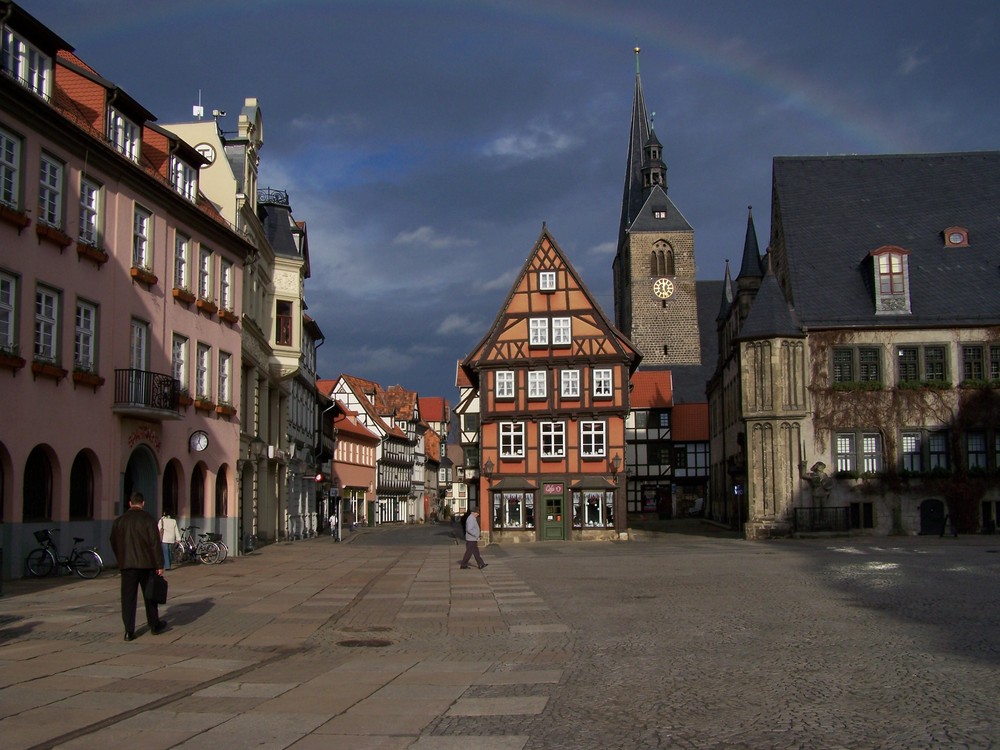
[[123, 134], [504, 387], [139, 345], [90, 212], [593, 439], [205, 273], [142, 225], [603, 382], [562, 331], [85, 337], [569, 383], [225, 378], [10, 167], [552, 439], [537, 383], [185, 178], [203, 371], [179, 361], [512, 440], [546, 281], [46, 324], [50, 191], [538, 331], [8, 310], [182, 252], [26, 64], [226, 284]]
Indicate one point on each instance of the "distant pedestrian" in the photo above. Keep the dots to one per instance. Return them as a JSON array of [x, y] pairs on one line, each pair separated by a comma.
[[472, 533], [169, 536], [135, 540]]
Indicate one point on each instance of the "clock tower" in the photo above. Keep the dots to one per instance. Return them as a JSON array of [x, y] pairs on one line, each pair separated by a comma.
[[654, 270]]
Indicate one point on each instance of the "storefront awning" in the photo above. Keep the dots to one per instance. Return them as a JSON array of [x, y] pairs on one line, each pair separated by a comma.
[[514, 483], [593, 483]]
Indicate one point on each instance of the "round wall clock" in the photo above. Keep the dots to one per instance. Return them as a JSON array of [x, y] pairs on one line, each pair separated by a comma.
[[663, 288], [198, 441]]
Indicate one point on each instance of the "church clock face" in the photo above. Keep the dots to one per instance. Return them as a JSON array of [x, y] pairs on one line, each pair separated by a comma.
[[663, 288]]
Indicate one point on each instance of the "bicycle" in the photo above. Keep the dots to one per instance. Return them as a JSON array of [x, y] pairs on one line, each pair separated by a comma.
[[41, 562], [215, 538], [204, 551]]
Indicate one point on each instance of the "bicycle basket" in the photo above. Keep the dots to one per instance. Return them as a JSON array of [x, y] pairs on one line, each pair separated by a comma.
[[42, 536], [213, 537]]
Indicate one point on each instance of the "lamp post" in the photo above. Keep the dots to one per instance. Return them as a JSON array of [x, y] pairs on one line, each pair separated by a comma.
[[255, 450], [616, 465], [488, 473]]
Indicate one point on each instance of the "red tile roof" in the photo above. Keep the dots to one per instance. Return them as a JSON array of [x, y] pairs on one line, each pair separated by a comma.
[[689, 422], [433, 408], [651, 389]]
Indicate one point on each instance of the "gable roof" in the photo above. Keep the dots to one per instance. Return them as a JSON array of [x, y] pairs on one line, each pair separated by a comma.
[[657, 202], [651, 389], [831, 212], [433, 408], [770, 315]]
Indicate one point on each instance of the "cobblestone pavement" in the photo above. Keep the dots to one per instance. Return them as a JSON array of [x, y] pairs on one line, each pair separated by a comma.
[[676, 641]]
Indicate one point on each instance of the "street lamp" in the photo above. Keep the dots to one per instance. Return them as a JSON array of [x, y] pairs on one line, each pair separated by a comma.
[[488, 468], [616, 465]]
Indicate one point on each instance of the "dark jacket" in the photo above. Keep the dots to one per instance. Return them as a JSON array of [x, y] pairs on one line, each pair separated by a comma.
[[135, 540]]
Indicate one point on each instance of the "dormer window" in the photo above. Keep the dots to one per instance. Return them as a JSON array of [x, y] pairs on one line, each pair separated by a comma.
[[956, 237], [659, 214], [184, 178], [26, 64], [123, 134], [892, 289], [547, 281]]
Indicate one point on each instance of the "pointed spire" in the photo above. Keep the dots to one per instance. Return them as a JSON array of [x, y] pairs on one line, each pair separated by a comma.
[[771, 316], [632, 197], [727, 295], [751, 267]]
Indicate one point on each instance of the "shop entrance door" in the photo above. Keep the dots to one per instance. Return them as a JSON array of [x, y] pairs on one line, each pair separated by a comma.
[[553, 513]]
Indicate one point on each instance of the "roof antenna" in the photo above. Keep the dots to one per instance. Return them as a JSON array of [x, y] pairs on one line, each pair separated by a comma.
[[637, 57], [199, 111]]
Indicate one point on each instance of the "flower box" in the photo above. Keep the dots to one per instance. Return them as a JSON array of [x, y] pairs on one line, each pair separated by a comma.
[[204, 404], [209, 308], [143, 275], [88, 378], [11, 361], [52, 234], [12, 216], [226, 410], [90, 252], [184, 399], [183, 295], [228, 315], [48, 370]]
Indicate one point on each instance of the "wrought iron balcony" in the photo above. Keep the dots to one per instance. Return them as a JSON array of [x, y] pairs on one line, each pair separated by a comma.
[[144, 394]]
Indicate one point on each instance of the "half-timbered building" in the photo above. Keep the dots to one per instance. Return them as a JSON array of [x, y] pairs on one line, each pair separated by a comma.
[[552, 376]]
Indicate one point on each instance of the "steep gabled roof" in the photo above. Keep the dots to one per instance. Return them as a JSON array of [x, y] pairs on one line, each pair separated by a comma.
[[632, 198], [433, 408], [831, 212], [651, 389], [770, 314], [751, 267], [657, 204]]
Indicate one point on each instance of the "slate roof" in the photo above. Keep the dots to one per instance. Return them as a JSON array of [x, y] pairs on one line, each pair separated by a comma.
[[831, 212], [770, 315], [657, 201], [277, 221]]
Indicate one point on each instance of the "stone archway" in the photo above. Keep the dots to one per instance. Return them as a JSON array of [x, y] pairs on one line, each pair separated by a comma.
[[141, 475]]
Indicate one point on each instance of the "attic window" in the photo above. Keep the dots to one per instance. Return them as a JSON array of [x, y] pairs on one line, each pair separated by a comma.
[[660, 214], [547, 281], [956, 237], [891, 277]]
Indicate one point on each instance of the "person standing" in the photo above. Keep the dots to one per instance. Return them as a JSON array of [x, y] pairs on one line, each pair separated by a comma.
[[472, 534], [169, 536], [135, 541]]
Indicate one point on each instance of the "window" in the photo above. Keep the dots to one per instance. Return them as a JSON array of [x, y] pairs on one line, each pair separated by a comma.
[[921, 364], [690, 459], [975, 450], [890, 267], [973, 367], [538, 331], [283, 323], [50, 191], [570, 383], [90, 207], [592, 440], [561, 335], [995, 363], [536, 384], [871, 452], [205, 274], [870, 460], [593, 508], [182, 245], [857, 365], [203, 370], [602, 383], [511, 440], [46, 322], [912, 456], [225, 377], [139, 345], [505, 384], [471, 457], [470, 422], [665, 420], [8, 306], [179, 361], [10, 163], [937, 451], [552, 438], [123, 134], [846, 460], [514, 510], [141, 226], [226, 284], [890, 273], [547, 281], [26, 64], [84, 354], [185, 178]]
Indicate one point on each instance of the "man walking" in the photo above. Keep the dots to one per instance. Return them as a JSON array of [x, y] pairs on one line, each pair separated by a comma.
[[135, 540], [472, 540]]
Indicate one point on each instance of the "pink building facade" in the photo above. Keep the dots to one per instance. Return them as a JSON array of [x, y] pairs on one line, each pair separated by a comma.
[[120, 296]]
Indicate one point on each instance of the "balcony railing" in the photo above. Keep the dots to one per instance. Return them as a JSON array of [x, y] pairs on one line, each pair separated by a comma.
[[146, 394], [822, 519]]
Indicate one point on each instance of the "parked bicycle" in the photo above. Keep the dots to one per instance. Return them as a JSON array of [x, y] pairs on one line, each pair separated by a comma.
[[188, 550], [41, 562]]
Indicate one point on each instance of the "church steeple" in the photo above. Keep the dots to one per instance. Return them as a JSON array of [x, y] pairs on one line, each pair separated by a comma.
[[751, 267], [632, 198]]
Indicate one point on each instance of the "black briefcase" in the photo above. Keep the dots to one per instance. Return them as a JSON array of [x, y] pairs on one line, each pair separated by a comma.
[[156, 589]]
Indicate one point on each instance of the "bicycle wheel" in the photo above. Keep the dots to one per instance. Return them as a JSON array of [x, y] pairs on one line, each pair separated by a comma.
[[223, 551], [209, 553], [176, 554], [87, 564], [40, 562]]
